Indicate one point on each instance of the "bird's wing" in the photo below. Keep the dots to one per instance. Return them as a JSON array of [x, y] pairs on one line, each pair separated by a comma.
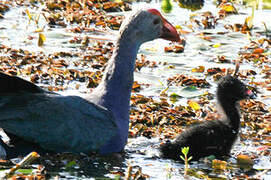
[[13, 84], [57, 123]]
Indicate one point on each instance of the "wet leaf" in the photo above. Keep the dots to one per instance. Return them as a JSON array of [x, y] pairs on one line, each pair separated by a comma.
[[228, 8], [182, 80], [205, 37], [194, 105], [136, 87], [28, 14], [41, 39], [244, 161], [190, 88], [192, 5], [199, 69], [212, 71], [166, 6], [178, 27], [249, 22], [262, 148], [219, 165], [25, 171], [174, 97], [39, 30], [258, 51], [222, 59], [217, 45], [71, 164], [176, 48]]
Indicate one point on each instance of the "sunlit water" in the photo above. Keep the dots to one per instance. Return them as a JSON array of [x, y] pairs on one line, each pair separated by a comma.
[[14, 30]]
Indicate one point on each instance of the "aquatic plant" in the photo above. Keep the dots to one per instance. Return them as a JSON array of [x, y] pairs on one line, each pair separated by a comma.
[[186, 159]]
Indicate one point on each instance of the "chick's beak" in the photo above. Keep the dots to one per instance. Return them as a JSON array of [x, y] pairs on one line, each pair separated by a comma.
[[251, 94]]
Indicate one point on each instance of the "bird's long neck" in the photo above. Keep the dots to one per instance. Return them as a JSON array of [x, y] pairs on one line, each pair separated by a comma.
[[232, 113], [114, 91]]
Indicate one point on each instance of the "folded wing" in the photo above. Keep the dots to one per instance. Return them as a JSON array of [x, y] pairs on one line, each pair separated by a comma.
[[57, 123]]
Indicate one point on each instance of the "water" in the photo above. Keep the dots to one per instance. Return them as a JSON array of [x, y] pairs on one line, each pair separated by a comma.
[[15, 31]]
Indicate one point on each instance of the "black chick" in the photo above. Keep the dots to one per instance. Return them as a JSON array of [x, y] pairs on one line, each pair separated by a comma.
[[212, 137]]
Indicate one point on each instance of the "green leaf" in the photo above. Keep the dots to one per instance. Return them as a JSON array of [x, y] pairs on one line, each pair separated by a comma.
[[174, 97], [25, 171], [211, 157], [185, 150], [70, 164], [190, 88], [166, 6]]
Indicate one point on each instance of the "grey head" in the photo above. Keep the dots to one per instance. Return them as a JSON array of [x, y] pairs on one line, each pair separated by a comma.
[[147, 25]]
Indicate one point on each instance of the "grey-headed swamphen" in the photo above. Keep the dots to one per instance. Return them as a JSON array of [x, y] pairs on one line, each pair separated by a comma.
[[35, 119]]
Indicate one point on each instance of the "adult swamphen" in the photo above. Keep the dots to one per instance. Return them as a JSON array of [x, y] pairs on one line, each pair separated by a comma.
[[38, 120]]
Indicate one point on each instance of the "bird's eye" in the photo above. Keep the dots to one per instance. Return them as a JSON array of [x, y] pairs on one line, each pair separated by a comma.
[[156, 21]]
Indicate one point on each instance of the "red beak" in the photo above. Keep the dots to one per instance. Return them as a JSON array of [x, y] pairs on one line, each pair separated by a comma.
[[168, 31]]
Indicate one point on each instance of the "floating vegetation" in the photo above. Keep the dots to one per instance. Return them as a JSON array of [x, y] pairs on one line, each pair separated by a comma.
[[65, 45]]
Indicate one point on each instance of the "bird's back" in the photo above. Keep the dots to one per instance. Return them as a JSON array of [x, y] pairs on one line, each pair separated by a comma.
[[57, 123], [208, 138]]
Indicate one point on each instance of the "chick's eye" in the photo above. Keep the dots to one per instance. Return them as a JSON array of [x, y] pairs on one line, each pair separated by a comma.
[[156, 21]]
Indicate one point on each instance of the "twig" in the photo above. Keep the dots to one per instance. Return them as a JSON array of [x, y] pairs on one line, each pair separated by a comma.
[[237, 67], [129, 172], [99, 38], [138, 174], [28, 159]]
